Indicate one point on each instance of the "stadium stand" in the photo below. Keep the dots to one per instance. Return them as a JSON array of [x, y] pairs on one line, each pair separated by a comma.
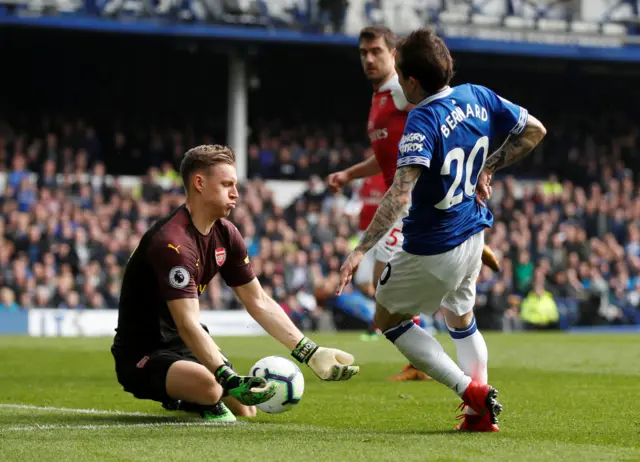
[[567, 220], [570, 244]]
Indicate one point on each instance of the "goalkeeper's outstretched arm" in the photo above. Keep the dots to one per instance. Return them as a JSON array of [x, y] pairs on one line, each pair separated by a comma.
[[327, 363]]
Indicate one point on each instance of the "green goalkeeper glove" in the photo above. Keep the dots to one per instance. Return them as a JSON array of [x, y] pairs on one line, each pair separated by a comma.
[[326, 363], [248, 390]]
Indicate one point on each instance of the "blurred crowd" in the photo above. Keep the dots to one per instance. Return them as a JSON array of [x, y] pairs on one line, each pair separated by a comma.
[[66, 233], [569, 244]]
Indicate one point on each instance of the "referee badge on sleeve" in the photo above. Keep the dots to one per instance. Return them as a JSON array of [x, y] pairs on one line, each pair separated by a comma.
[[179, 277]]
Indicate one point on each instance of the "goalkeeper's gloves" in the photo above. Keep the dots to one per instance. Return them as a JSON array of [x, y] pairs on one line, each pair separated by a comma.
[[326, 363], [248, 390]]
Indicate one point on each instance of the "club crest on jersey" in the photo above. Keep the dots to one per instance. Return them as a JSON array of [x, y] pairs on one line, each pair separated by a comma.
[[140, 364], [221, 256]]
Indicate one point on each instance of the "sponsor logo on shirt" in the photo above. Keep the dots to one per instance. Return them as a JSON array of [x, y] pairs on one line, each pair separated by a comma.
[[411, 142], [379, 134]]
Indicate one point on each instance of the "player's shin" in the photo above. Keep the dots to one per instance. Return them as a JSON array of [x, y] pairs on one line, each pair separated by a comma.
[[426, 354], [472, 353]]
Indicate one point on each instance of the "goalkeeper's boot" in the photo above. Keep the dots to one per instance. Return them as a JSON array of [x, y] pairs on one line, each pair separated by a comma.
[[250, 391], [409, 373], [483, 400], [218, 412], [489, 259]]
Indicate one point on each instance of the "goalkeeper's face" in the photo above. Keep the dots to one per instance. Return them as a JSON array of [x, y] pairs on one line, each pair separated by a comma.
[[219, 189], [377, 59]]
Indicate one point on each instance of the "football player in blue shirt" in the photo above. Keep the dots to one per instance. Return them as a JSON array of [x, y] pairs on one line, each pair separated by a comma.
[[443, 177]]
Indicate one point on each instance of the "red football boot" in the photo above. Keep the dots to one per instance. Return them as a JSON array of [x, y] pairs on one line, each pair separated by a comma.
[[482, 399], [476, 423]]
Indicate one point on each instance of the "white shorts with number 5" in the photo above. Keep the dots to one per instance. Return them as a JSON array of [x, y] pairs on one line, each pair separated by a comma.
[[381, 252], [412, 284]]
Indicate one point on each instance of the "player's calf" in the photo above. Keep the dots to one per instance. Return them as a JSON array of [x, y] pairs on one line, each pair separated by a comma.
[[470, 346], [191, 382], [421, 349]]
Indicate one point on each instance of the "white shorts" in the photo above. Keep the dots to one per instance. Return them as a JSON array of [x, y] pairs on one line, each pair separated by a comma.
[[412, 284], [382, 252]]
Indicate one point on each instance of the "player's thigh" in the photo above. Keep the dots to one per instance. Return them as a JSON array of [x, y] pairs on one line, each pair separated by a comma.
[[459, 302], [406, 287], [385, 320], [190, 381], [233, 404]]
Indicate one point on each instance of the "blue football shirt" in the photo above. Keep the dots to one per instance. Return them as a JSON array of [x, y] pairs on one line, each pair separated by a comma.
[[449, 134]]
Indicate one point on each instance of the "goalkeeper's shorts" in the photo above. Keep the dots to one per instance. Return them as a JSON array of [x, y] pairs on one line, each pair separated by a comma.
[[145, 376]]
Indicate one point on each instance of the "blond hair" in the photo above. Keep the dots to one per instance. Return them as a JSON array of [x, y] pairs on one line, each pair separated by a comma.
[[202, 157]]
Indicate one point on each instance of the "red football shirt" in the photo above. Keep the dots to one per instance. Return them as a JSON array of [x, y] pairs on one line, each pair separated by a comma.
[[387, 117], [370, 194]]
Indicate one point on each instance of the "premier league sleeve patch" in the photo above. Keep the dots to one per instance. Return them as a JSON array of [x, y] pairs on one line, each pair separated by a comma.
[[179, 277]]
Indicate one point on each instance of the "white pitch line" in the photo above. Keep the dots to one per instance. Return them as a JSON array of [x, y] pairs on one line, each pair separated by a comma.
[[79, 411], [98, 427]]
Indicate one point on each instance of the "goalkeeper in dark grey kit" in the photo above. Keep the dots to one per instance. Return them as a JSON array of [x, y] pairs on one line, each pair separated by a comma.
[[161, 350]]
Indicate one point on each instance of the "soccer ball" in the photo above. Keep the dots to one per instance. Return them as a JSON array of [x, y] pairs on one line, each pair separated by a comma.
[[289, 379]]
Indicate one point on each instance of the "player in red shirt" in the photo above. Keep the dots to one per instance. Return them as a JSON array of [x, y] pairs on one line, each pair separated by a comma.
[[387, 118], [161, 350]]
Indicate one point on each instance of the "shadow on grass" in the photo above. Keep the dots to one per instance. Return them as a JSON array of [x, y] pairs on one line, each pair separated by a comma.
[[350, 432]]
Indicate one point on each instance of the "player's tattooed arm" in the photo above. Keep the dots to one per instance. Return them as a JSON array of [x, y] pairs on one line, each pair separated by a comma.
[[391, 207], [516, 147]]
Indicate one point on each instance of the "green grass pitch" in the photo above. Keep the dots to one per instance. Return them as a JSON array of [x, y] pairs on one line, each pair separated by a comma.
[[565, 397]]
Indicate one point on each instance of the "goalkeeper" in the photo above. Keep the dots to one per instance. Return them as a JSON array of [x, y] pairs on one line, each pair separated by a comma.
[[161, 350]]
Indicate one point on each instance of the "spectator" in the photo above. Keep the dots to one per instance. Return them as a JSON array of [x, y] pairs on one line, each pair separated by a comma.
[[490, 317], [523, 273], [8, 300], [539, 309]]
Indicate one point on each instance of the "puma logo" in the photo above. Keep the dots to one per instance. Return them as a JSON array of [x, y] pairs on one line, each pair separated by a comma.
[[171, 246]]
